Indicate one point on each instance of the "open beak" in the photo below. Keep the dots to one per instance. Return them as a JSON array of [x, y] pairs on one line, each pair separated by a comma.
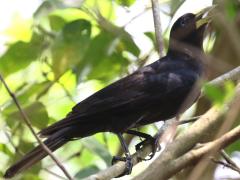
[[204, 17]]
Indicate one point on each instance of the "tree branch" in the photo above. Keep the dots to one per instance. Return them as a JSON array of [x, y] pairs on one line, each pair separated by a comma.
[[232, 75], [27, 122], [229, 160], [157, 26]]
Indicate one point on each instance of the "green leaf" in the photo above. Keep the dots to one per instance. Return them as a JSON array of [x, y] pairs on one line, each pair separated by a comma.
[[4, 149], [86, 172], [70, 46], [93, 145], [20, 54], [119, 32], [106, 62], [32, 175], [61, 17], [233, 147], [174, 5], [151, 36], [219, 95], [125, 2], [105, 7], [56, 22], [232, 8], [36, 113], [130, 46], [109, 68], [214, 93], [229, 90]]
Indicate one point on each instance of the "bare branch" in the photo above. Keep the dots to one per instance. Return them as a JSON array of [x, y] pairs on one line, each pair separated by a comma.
[[225, 164], [232, 75], [157, 26], [229, 160]]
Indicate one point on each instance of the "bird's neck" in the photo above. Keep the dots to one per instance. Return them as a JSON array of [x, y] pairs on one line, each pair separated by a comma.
[[177, 48]]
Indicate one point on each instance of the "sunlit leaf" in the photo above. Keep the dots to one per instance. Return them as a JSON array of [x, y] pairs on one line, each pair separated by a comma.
[[20, 29], [220, 95], [214, 93], [105, 7], [106, 62], [31, 175], [233, 147], [119, 32], [229, 89], [4, 148], [60, 17], [125, 2], [56, 22], [151, 36], [70, 46], [21, 54]]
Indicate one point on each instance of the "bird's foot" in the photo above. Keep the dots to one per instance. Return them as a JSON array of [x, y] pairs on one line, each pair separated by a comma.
[[127, 160], [155, 147]]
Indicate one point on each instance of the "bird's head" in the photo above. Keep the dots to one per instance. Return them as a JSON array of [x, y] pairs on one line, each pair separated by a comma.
[[187, 32]]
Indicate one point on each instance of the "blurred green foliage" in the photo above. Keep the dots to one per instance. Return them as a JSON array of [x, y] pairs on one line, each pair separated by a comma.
[[62, 55]]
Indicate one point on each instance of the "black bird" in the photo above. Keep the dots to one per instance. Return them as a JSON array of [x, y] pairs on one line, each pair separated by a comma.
[[156, 92]]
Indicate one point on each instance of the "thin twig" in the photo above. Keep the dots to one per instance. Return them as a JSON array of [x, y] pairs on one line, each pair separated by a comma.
[[157, 26], [27, 122], [229, 160], [226, 165]]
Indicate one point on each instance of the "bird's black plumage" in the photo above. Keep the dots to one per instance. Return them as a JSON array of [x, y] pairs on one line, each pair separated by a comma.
[[153, 93]]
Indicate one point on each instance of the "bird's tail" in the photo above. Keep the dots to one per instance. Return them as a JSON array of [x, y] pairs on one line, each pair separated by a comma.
[[38, 153]]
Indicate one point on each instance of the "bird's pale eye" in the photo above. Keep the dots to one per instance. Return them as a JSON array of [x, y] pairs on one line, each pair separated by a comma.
[[183, 23]]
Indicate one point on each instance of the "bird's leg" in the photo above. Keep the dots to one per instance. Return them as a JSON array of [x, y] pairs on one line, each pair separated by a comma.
[[127, 158]]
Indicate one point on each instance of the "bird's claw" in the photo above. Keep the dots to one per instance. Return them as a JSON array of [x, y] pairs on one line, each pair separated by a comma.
[[128, 161], [155, 147]]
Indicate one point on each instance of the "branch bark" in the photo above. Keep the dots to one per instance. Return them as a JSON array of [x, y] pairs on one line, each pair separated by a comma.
[[157, 26]]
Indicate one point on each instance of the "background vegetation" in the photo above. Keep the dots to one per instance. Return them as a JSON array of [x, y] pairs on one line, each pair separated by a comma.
[[67, 51]]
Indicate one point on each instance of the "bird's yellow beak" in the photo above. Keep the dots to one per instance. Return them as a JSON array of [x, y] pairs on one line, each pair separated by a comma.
[[200, 20]]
